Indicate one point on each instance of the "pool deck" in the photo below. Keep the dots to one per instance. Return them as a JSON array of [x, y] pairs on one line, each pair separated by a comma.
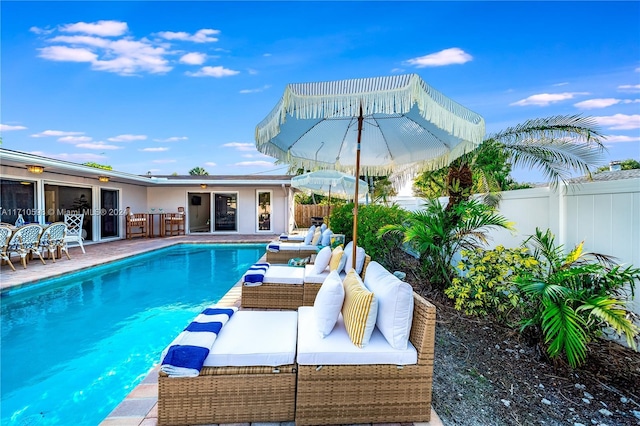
[[140, 407]]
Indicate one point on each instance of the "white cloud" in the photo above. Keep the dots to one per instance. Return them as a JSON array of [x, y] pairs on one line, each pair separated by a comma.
[[159, 149], [397, 70], [82, 39], [254, 164], [449, 56], [210, 164], [193, 58], [127, 138], [266, 55], [241, 146], [98, 146], [67, 54], [564, 83], [133, 56], [213, 72], [7, 128], [40, 31], [58, 133], [100, 28], [201, 36], [629, 88], [172, 139], [619, 121], [603, 103], [622, 138], [261, 89], [163, 161], [75, 139], [251, 71], [544, 99]]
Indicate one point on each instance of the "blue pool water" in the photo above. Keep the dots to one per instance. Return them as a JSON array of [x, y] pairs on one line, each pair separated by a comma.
[[75, 346]]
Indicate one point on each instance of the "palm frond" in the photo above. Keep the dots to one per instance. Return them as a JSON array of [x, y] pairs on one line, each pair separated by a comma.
[[564, 332], [610, 311]]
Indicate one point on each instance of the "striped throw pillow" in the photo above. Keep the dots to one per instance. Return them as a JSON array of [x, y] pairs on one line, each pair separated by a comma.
[[359, 310], [336, 255]]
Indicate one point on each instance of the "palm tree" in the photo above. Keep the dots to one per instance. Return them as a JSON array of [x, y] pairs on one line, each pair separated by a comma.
[[198, 171], [558, 146]]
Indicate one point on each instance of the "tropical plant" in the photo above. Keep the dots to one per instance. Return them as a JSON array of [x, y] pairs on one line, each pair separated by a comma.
[[485, 284], [198, 171], [572, 298], [437, 233], [383, 190], [371, 218], [558, 146], [97, 165]]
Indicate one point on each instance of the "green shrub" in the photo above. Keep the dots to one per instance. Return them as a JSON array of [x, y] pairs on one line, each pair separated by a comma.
[[571, 298], [485, 285], [371, 218]]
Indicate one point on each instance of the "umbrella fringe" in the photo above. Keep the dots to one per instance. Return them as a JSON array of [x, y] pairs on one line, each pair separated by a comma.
[[384, 95]]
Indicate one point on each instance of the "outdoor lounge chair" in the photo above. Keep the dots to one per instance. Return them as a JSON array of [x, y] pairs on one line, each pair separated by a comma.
[[52, 240], [364, 393], [281, 252], [24, 241], [135, 224], [5, 236], [174, 223], [282, 288], [74, 223], [249, 375]]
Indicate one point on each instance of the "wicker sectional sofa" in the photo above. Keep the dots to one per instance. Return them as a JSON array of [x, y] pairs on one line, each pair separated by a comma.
[[307, 392]]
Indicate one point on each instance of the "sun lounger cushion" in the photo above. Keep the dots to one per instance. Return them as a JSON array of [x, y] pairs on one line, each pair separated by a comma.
[[276, 246], [322, 259], [291, 237], [336, 255], [280, 274], [359, 310], [310, 234], [337, 349], [328, 303], [325, 240], [253, 338], [395, 304], [316, 237]]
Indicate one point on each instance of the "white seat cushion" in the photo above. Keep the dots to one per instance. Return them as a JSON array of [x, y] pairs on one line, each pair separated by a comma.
[[310, 275], [280, 274], [293, 246], [337, 348], [255, 338]]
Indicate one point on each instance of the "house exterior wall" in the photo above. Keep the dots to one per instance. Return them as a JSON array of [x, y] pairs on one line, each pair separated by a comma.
[[169, 198]]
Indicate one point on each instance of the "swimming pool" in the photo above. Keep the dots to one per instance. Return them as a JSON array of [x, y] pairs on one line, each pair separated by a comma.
[[74, 347]]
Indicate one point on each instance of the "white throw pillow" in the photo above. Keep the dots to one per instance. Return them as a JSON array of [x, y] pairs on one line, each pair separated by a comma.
[[395, 305], [326, 237], [309, 236], [322, 260], [328, 303], [360, 256]]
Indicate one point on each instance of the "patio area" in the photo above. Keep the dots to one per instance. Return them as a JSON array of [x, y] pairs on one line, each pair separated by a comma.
[[140, 406]]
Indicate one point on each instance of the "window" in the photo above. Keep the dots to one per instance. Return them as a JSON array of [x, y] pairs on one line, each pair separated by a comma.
[[264, 210], [17, 197]]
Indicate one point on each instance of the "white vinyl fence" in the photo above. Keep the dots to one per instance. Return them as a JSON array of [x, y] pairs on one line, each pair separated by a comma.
[[605, 215]]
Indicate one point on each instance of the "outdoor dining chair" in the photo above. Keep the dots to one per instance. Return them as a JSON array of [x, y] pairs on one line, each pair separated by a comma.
[[52, 240], [25, 241], [174, 222], [74, 223], [5, 236], [136, 224]]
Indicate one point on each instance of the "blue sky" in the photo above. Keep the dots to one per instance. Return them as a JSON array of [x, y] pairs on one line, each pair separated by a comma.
[[163, 87]]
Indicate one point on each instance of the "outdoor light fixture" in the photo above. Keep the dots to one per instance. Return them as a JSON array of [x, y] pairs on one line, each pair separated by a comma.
[[35, 169], [203, 185], [103, 178]]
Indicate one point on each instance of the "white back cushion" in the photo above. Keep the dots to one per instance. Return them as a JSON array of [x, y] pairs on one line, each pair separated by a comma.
[[322, 260], [325, 240], [309, 236], [360, 255], [395, 304], [328, 303]]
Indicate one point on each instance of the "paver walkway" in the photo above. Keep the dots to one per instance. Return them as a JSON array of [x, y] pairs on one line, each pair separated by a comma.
[[139, 408]]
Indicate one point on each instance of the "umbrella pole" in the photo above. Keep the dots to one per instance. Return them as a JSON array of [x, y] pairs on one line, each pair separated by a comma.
[[329, 214], [355, 209]]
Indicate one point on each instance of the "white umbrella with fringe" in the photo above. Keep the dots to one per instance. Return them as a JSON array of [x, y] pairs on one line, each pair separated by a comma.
[[399, 121]]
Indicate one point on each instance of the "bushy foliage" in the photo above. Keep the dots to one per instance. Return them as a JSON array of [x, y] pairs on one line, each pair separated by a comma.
[[571, 298], [371, 218], [437, 234], [485, 284]]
